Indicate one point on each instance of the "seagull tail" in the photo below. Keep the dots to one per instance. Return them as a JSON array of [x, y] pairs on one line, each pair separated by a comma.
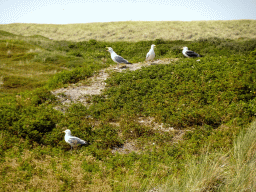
[[129, 63], [84, 143]]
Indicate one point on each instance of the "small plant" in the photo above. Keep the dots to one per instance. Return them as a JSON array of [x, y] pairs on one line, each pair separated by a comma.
[[9, 53]]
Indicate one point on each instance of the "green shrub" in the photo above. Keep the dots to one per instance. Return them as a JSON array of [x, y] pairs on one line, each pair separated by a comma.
[[133, 130], [106, 136], [72, 76], [90, 166], [186, 94], [34, 123], [30, 115]]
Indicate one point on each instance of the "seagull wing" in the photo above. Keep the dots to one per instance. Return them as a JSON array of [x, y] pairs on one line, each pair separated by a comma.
[[76, 140], [148, 54], [192, 54], [120, 59]]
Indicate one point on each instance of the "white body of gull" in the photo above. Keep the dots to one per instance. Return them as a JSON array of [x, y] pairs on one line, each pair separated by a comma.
[[116, 58], [188, 53], [151, 54], [72, 140]]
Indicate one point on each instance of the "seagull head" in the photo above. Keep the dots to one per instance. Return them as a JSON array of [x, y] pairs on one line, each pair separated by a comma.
[[152, 46], [184, 48], [67, 131], [109, 49]]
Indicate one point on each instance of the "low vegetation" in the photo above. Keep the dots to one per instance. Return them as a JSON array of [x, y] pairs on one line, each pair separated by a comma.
[[206, 109], [135, 31]]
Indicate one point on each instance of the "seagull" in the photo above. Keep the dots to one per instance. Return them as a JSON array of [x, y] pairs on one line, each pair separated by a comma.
[[189, 53], [151, 54], [116, 58], [72, 140]]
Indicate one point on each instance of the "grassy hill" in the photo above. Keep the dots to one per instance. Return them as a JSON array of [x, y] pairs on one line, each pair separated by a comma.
[[139, 30], [184, 126]]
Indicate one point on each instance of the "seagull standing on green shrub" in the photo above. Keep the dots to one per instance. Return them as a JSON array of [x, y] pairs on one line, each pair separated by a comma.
[[151, 54], [188, 53], [116, 58], [72, 140]]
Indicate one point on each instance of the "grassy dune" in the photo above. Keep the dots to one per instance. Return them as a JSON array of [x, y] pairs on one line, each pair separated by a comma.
[[233, 171], [138, 30], [204, 109]]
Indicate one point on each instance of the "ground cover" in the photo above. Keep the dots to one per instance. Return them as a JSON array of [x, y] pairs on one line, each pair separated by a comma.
[[172, 116], [135, 31]]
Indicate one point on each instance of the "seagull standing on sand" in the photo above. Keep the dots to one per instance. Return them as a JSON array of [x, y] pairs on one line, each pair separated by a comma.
[[72, 140], [188, 53], [116, 58], [151, 54]]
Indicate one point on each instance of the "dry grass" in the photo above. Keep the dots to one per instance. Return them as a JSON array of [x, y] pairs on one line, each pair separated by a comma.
[[138, 30], [234, 171], [1, 81], [50, 174], [59, 174]]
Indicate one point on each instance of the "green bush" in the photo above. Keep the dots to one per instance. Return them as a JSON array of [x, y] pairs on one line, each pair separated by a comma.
[[72, 76], [30, 115], [133, 130], [106, 136], [185, 94], [34, 123]]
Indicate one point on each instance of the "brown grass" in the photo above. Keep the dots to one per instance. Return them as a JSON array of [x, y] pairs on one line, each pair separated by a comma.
[[50, 174], [138, 30], [65, 173]]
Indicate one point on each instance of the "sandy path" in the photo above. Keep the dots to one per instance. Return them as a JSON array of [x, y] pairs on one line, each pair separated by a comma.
[[81, 93]]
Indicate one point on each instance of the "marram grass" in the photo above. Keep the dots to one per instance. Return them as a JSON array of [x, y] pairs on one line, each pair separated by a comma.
[[138, 30], [233, 171]]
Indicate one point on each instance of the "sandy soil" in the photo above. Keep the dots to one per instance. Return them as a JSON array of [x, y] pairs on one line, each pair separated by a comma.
[[81, 93]]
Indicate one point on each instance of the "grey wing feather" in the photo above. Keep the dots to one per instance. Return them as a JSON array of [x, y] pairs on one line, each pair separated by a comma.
[[120, 59], [76, 140], [192, 54]]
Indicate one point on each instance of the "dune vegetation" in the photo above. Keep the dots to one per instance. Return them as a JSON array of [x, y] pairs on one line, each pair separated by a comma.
[[188, 125], [139, 30]]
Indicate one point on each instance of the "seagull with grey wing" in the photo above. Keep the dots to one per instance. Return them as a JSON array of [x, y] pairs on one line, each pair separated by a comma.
[[117, 58], [72, 140], [151, 54], [188, 53]]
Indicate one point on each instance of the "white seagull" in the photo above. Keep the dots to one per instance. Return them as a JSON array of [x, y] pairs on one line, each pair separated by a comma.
[[72, 140], [116, 58], [151, 54], [188, 53]]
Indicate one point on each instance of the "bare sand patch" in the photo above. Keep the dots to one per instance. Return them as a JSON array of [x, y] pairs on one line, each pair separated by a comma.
[[81, 93]]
